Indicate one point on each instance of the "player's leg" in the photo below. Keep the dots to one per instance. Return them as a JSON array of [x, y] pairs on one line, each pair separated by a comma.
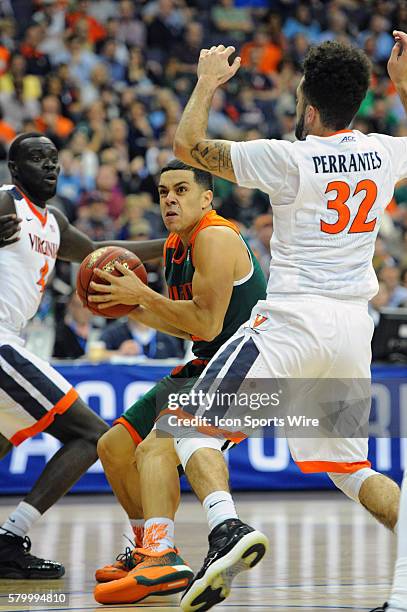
[[36, 398], [160, 458], [398, 597], [116, 450], [377, 493], [233, 545]]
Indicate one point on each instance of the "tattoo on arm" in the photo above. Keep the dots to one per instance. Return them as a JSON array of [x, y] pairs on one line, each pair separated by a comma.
[[213, 155]]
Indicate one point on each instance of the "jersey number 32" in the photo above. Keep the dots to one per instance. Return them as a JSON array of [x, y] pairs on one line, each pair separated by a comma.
[[340, 204]]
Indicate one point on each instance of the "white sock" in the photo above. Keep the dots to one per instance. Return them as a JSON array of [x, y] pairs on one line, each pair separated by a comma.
[[137, 526], [219, 507], [158, 534], [398, 598], [21, 520]]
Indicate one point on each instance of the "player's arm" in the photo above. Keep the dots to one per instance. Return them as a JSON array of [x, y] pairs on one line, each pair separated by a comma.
[[9, 221], [191, 144], [397, 66], [75, 245], [150, 319], [212, 287]]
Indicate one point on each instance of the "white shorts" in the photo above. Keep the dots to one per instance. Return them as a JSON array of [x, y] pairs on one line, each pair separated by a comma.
[[305, 337], [31, 393]]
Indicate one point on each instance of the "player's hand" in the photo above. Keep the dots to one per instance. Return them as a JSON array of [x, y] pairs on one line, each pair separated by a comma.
[[214, 64], [397, 64], [9, 229], [126, 289]]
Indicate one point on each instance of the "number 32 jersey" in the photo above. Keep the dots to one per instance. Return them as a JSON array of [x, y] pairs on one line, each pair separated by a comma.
[[328, 196], [26, 265]]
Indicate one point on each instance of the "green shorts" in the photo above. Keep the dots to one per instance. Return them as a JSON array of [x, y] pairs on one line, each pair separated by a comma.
[[139, 419]]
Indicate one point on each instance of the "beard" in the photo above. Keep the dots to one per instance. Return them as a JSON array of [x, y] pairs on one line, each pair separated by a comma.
[[300, 129]]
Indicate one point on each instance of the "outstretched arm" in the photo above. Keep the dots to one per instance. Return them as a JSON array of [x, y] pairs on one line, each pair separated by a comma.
[[191, 144], [75, 245], [397, 65]]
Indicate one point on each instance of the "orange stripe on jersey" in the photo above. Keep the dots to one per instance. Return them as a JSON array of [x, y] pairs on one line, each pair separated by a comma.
[[340, 467], [59, 408], [41, 217], [211, 219], [171, 242]]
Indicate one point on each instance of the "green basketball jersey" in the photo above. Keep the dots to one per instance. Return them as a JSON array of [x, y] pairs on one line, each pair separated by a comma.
[[179, 271]]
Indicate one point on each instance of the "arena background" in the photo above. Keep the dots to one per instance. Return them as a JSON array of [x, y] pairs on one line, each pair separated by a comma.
[[107, 81]]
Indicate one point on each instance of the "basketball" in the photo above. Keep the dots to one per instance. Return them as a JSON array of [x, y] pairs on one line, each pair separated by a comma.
[[104, 259]]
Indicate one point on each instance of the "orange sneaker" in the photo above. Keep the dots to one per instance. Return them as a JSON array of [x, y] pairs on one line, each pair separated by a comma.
[[124, 563], [158, 573]]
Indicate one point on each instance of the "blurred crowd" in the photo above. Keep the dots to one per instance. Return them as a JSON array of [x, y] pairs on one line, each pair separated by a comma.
[[107, 81]]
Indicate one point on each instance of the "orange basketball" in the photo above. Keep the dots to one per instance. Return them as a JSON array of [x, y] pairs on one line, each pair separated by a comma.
[[104, 259]]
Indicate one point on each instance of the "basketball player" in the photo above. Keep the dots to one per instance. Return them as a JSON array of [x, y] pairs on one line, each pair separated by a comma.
[[329, 191], [397, 68], [34, 397], [213, 282]]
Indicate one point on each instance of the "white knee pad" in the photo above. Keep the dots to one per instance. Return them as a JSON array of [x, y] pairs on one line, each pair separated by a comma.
[[186, 447], [351, 483]]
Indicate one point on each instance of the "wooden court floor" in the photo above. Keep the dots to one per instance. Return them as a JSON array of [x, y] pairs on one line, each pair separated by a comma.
[[326, 553]]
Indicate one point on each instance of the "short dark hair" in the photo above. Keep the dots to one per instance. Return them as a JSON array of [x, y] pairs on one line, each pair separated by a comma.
[[336, 79], [203, 178], [15, 146]]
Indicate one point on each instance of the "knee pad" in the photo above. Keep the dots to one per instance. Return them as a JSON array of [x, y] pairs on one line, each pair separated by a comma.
[[186, 447], [351, 483]]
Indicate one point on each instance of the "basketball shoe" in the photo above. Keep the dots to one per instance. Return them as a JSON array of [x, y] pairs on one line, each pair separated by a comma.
[[158, 573], [120, 568], [233, 547], [16, 562]]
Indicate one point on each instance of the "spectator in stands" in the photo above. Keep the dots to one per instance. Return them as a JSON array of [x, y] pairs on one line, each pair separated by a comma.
[[95, 30], [72, 332], [131, 338], [234, 22], [390, 276], [88, 160], [52, 123], [37, 62], [302, 23], [107, 184], [379, 301], [118, 131], [69, 180], [94, 220], [108, 55], [132, 31], [260, 242], [269, 54]]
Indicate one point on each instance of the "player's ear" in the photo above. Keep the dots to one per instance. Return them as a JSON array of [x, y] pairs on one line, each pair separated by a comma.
[[207, 198], [12, 167]]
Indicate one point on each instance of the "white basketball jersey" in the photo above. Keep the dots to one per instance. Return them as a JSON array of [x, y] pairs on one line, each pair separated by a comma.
[[328, 195], [27, 264]]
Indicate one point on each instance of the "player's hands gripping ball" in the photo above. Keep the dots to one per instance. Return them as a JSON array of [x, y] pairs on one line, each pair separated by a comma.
[[109, 281]]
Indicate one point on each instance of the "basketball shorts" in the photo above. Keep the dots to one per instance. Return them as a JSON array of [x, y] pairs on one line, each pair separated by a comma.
[[31, 393], [293, 338], [139, 419]]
